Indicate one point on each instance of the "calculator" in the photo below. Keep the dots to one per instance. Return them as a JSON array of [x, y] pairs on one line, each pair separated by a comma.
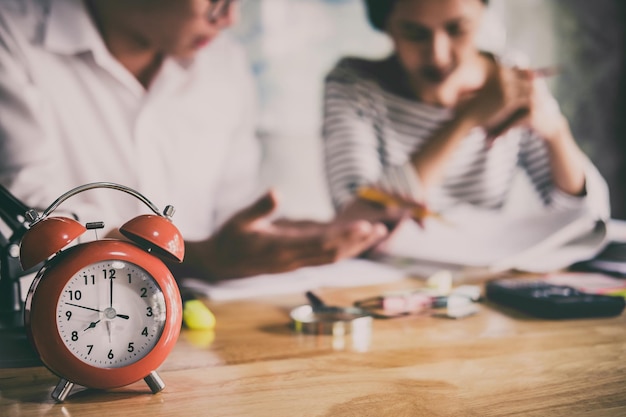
[[536, 297]]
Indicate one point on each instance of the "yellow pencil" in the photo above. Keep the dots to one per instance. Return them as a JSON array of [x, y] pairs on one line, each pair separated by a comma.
[[418, 211]]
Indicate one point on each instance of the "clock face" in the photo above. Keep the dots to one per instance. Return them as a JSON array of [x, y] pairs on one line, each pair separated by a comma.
[[111, 313]]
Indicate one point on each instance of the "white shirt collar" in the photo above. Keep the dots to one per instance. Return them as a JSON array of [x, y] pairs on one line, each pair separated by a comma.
[[69, 29]]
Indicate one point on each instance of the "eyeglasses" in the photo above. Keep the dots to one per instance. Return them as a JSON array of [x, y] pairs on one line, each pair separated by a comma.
[[218, 8]]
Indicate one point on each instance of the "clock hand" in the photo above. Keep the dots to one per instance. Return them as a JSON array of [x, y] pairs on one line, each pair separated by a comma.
[[111, 293], [92, 325], [122, 316], [86, 308], [108, 323]]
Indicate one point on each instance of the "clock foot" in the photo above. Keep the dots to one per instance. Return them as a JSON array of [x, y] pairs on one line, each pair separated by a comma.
[[155, 382], [62, 390]]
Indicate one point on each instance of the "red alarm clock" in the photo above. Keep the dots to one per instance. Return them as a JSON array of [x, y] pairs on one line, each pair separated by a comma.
[[105, 313]]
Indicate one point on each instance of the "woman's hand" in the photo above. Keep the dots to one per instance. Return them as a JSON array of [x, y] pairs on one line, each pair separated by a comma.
[[515, 97], [506, 92], [544, 115]]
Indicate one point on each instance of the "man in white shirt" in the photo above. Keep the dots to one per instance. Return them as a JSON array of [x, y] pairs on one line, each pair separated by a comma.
[[127, 91]]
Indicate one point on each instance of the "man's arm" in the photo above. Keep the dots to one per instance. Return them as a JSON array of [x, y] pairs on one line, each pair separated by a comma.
[[251, 244]]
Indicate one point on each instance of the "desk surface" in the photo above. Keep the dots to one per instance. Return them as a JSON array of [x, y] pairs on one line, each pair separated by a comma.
[[495, 363]]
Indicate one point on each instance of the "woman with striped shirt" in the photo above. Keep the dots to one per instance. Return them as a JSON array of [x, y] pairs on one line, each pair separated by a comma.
[[443, 123]]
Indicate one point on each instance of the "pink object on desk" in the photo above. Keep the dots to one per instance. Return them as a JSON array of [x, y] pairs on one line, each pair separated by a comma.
[[410, 302]]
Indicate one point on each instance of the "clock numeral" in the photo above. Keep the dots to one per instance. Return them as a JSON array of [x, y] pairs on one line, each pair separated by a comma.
[[131, 348], [90, 349], [130, 278], [75, 295], [68, 314], [109, 273], [144, 292], [74, 335], [149, 313], [88, 277], [144, 332], [110, 355]]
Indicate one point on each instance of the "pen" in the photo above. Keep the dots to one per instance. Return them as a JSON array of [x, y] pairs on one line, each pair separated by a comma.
[[547, 71], [498, 130], [418, 211]]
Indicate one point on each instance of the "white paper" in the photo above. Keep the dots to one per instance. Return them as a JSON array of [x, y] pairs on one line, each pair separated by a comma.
[[550, 259], [347, 273], [497, 241]]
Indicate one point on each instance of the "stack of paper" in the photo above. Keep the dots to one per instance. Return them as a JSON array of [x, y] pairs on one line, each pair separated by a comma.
[[496, 241]]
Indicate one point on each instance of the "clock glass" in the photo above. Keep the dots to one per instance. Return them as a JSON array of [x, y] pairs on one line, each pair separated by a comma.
[[111, 314]]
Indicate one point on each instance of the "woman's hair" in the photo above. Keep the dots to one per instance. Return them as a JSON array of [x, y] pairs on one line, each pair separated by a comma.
[[379, 10]]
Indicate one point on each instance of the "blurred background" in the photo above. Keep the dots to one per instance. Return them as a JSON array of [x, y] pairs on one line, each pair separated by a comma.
[[292, 44]]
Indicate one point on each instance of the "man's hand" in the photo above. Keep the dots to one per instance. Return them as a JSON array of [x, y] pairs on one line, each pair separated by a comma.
[[250, 243]]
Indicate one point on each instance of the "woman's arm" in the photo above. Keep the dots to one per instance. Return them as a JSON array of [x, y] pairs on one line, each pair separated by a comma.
[[431, 160], [566, 159], [351, 144], [560, 171], [356, 149]]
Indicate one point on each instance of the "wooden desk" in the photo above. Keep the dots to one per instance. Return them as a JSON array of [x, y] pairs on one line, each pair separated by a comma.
[[490, 364]]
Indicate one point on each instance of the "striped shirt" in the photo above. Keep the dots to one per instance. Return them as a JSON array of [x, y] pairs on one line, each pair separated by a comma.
[[370, 132]]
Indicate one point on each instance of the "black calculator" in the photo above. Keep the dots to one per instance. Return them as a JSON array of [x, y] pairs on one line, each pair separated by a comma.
[[541, 299]]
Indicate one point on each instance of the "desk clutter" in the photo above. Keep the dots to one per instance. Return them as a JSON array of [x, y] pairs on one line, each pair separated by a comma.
[[255, 365], [437, 298], [559, 295], [259, 337]]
